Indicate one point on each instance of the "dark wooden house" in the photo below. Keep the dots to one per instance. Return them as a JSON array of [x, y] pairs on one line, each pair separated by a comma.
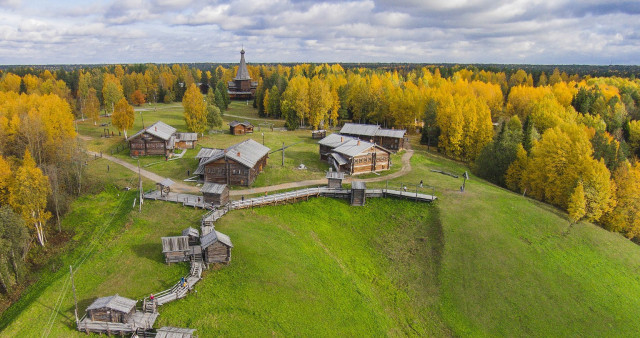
[[158, 139], [215, 194], [239, 164], [240, 128], [185, 140], [318, 134], [354, 156], [193, 235], [242, 87], [391, 139], [216, 247], [358, 193], [165, 186], [176, 249], [113, 309], [334, 179]]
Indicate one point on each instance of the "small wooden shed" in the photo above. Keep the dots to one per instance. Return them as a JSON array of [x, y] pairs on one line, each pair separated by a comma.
[[334, 179], [165, 186], [113, 309], [185, 140], [215, 194], [358, 193], [240, 128], [193, 234], [216, 247], [175, 249], [318, 134], [174, 332]]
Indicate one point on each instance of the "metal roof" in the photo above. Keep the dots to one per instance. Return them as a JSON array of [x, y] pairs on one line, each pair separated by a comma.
[[190, 232], [359, 129], [235, 123], [174, 332], [339, 159], [243, 72], [187, 136], [224, 239], [358, 185], [213, 188], [247, 152], [208, 152], [335, 174], [208, 239], [334, 140], [116, 302], [166, 182], [353, 147]]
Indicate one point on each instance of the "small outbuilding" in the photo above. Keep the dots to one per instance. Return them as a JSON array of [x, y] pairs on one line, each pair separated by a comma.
[[215, 194], [318, 134], [176, 249], [193, 234], [112, 309], [216, 247], [174, 332], [334, 179], [358, 193], [165, 186], [240, 128], [185, 140]]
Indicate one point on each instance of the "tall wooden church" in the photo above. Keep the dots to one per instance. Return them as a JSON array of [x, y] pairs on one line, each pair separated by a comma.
[[242, 87]]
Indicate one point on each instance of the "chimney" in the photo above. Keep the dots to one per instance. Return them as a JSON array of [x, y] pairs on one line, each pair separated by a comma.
[[225, 151], [358, 142], [341, 139], [156, 128], [238, 154]]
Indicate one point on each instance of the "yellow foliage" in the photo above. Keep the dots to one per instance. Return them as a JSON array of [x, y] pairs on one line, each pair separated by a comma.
[[195, 109]]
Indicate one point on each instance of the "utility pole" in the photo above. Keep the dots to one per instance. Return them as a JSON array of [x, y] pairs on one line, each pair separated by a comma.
[[139, 187], [73, 287], [283, 154]]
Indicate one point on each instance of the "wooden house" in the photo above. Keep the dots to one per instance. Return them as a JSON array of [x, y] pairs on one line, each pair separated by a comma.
[[239, 164], [158, 139], [216, 247], [176, 249], [358, 193], [391, 139], [165, 186], [334, 179], [240, 128], [354, 156], [193, 235], [113, 309], [174, 332], [185, 140], [215, 194], [242, 87], [318, 134]]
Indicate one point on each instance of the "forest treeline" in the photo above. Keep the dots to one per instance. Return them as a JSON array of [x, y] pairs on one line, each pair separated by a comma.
[[568, 140]]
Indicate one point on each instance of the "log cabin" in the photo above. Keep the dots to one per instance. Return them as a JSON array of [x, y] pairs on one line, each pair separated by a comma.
[[240, 128], [239, 164], [158, 139], [215, 194], [216, 247], [176, 249], [185, 140], [113, 309], [391, 139], [354, 156]]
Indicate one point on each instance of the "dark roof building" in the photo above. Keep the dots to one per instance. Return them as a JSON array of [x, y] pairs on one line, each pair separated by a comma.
[[242, 87], [239, 164], [391, 139], [215, 194], [240, 128], [160, 139], [352, 155], [114, 309]]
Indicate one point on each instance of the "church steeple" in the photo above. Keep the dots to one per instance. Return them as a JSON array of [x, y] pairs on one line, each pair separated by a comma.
[[243, 72]]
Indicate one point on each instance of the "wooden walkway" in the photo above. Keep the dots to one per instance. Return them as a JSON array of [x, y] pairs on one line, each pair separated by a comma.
[[140, 320], [177, 291]]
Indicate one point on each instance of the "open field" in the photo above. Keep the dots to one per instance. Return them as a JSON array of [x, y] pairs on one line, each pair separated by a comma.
[[483, 262]]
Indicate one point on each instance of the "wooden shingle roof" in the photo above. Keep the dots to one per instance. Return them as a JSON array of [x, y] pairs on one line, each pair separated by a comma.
[[116, 303], [247, 152], [212, 188]]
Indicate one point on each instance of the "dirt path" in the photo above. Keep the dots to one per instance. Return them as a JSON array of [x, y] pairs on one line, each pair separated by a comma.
[[251, 118]]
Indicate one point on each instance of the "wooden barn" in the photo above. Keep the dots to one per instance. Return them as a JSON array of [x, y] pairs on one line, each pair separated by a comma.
[[319, 134], [334, 179], [216, 247], [242, 87], [176, 249], [358, 193], [193, 235], [113, 309], [239, 164], [240, 128], [158, 139], [391, 139], [215, 194], [185, 140], [354, 156]]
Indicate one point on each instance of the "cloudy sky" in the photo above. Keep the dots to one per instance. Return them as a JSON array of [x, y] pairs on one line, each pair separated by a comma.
[[425, 31]]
